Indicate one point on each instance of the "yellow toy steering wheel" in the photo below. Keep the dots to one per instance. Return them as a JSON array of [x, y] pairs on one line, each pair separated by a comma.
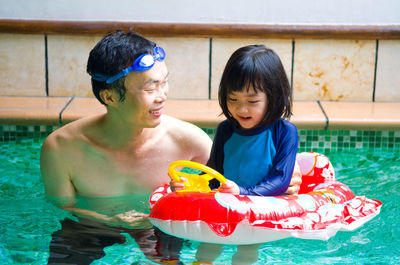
[[194, 182]]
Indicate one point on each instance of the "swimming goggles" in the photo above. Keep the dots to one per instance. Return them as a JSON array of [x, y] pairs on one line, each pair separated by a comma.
[[143, 63]]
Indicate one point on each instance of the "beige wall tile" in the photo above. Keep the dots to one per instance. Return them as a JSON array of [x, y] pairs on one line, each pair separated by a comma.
[[222, 49], [22, 65], [187, 62], [67, 59], [388, 69], [334, 70]]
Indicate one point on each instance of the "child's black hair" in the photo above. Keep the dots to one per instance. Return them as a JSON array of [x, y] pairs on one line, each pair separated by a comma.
[[261, 68]]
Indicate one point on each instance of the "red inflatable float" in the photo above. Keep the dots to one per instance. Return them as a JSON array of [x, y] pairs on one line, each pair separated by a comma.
[[323, 207]]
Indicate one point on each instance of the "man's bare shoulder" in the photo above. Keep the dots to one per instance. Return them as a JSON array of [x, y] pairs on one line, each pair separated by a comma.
[[192, 140], [180, 128], [70, 134]]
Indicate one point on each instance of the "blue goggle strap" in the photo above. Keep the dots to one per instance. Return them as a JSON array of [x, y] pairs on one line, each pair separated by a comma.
[[143, 63]]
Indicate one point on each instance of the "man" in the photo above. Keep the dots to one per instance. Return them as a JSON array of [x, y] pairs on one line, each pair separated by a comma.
[[124, 153], [112, 161], [127, 150]]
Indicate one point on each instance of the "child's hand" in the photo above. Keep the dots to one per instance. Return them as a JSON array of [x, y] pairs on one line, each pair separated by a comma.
[[175, 186], [229, 187], [295, 182]]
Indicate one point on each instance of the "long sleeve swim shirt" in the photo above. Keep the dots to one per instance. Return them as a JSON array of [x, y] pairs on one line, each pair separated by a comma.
[[259, 160]]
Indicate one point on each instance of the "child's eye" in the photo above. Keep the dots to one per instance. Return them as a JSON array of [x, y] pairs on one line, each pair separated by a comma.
[[231, 99], [254, 101]]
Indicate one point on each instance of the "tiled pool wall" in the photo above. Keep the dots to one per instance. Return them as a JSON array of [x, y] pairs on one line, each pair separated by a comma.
[[325, 68], [318, 69], [309, 140], [330, 140], [327, 140], [17, 132]]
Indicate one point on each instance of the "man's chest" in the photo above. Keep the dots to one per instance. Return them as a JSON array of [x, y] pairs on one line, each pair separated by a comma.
[[113, 173]]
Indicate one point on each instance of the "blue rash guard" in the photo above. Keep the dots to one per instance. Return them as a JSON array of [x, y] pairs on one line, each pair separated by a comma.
[[259, 160]]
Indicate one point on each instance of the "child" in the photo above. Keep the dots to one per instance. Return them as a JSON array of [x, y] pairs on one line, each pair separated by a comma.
[[255, 148]]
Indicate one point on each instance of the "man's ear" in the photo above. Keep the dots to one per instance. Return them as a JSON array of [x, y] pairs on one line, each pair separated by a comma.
[[108, 96]]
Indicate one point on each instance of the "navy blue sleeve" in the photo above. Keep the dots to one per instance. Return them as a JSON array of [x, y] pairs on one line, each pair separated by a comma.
[[278, 179], [223, 133]]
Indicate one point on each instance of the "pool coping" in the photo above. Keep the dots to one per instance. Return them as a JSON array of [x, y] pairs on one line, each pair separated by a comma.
[[313, 115]]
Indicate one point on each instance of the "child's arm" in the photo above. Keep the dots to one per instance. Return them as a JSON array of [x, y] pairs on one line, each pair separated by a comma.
[[295, 182], [293, 189]]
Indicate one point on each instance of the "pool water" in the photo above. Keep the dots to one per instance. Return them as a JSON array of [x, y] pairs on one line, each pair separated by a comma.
[[27, 220]]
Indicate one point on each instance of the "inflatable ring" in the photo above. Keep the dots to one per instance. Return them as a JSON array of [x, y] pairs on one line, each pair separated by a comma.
[[194, 182], [322, 208]]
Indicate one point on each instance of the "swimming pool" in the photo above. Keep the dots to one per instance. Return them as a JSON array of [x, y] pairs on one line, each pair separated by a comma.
[[27, 220]]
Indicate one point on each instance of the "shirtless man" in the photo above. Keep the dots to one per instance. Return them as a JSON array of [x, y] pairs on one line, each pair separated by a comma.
[[126, 151]]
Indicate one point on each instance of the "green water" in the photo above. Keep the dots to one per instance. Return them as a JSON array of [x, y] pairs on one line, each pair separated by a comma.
[[27, 220]]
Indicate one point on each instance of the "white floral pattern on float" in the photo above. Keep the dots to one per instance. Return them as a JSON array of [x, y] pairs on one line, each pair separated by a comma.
[[323, 207]]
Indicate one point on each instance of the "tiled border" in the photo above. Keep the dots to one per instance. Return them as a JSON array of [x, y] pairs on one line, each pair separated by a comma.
[[325, 141], [329, 140], [16, 132], [309, 140]]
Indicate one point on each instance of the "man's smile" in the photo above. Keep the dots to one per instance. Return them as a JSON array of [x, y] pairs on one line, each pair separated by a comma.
[[156, 112]]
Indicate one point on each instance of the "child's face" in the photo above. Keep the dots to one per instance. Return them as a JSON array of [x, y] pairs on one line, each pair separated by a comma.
[[247, 107]]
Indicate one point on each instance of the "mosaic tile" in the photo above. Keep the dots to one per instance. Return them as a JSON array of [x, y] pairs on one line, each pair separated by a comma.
[[17, 132], [347, 139], [309, 140]]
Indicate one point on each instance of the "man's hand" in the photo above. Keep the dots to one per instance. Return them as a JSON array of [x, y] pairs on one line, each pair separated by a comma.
[[131, 219], [295, 182]]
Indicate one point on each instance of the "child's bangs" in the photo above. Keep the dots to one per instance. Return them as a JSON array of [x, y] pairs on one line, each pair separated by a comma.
[[244, 81]]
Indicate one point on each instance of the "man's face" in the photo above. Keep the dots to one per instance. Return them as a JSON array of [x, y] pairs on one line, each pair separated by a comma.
[[146, 93]]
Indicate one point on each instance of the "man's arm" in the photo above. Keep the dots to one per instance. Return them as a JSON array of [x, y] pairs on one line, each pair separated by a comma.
[[202, 146], [55, 173], [197, 144]]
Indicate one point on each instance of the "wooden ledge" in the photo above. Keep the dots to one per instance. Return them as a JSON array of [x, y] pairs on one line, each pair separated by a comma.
[[309, 115], [362, 115], [355, 32], [81, 107], [31, 110]]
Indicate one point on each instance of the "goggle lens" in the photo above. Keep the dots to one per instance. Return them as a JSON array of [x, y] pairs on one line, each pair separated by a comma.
[[147, 61]]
